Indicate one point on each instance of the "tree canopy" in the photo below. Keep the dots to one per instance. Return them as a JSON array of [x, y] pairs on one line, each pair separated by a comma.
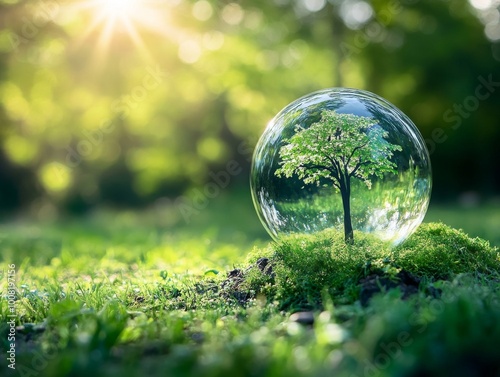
[[338, 147]]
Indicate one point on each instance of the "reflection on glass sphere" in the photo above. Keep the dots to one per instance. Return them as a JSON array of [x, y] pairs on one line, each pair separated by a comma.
[[344, 159]]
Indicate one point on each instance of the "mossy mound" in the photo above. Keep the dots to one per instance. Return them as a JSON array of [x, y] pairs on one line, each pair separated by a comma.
[[301, 272], [438, 251]]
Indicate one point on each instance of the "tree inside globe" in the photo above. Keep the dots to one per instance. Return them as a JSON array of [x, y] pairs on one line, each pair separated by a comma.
[[343, 159]]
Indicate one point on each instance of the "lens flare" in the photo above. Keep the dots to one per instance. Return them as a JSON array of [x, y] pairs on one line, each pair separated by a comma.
[[110, 19], [121, 10]]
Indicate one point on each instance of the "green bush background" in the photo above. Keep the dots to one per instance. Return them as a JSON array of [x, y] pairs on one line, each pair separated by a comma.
[[92, 115]]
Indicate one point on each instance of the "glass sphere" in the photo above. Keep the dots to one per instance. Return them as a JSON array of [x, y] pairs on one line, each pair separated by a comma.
[[341, 159]]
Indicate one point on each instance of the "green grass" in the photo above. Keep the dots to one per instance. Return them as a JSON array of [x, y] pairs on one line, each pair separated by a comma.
[[121, 295]]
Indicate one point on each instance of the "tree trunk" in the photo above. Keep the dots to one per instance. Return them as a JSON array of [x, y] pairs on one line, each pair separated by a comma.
[[345, 191]]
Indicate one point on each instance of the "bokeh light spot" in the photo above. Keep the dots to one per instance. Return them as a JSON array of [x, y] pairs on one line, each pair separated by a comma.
[[55, 176], [314, 5], [202, 10], [189, 51], [233, 14]]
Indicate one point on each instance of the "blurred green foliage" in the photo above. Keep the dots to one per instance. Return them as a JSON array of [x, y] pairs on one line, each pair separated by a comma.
[[107, 102]]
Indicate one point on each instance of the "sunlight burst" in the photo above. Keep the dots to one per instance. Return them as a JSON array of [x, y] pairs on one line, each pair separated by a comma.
[[125, 17], [120, 9]]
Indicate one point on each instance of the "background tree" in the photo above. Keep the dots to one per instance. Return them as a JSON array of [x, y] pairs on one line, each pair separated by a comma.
[[337, 148]]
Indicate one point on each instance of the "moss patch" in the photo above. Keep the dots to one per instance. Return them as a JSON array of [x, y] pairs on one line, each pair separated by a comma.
[[301, 272], [438, 251]]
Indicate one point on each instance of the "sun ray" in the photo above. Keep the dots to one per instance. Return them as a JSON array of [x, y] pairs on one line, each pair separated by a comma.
[[136, 39], [112, 18], [106, 35]]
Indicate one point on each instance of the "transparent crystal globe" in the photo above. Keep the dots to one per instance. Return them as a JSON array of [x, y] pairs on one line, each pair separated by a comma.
[[341, 159]]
